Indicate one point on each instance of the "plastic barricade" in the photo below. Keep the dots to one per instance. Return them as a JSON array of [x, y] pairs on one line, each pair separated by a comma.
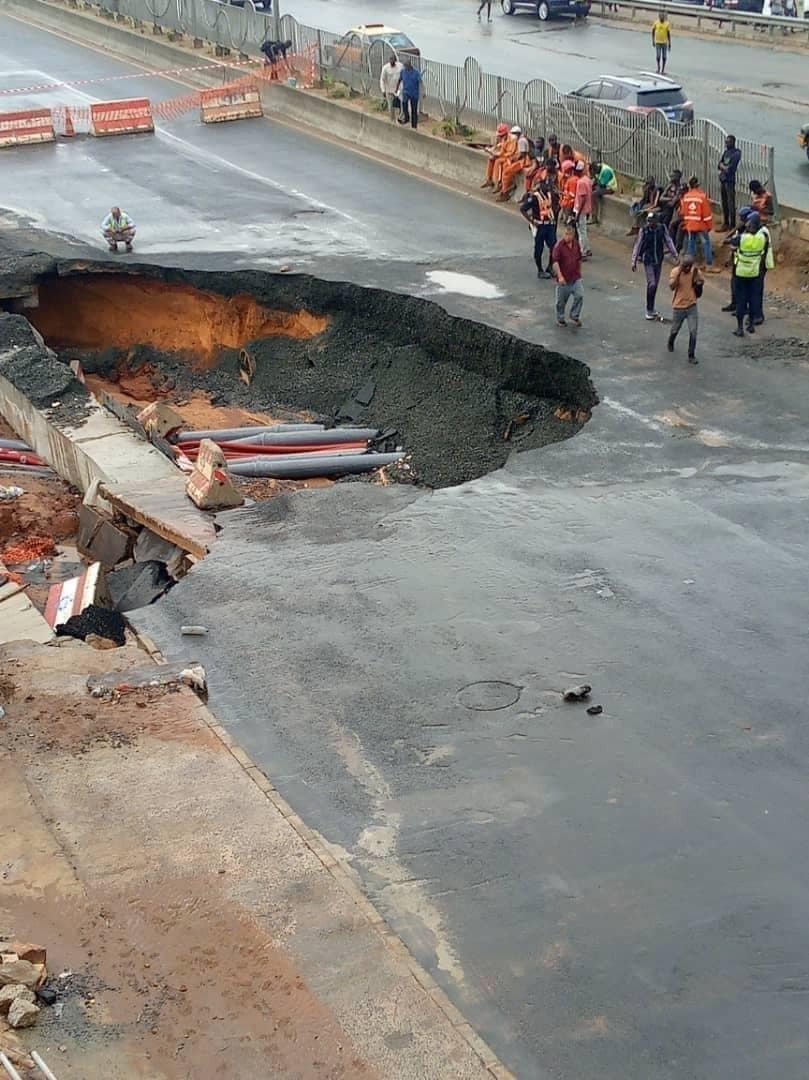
[[234, 101], [127, 117], [28, 126]]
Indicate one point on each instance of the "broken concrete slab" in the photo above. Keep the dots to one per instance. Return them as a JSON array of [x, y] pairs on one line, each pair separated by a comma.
[[109, 683], [100, 539], [71, 597], [149, 547], [26, 950], [159, 419], [163, 508], [209, 486], [135, 586], [19, 619]]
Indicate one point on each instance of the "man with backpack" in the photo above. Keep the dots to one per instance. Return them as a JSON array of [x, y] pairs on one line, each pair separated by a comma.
[[651, 247]]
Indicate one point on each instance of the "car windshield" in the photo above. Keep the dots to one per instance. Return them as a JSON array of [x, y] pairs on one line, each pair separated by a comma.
[[399, 41], [659, 99]]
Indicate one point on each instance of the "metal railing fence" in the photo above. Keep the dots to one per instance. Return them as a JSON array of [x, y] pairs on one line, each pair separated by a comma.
[[636, 145]]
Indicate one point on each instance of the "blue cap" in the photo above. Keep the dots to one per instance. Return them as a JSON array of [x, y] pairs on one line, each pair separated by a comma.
[[753, 218], [745, 212]]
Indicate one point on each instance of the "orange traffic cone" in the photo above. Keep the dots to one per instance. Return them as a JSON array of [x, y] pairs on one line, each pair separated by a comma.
[[70, 131]]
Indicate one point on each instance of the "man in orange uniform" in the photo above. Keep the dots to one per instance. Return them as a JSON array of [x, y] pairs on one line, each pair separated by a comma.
[[761, 201], [519, 162], [495, 152], [570, 183], [697, 218]]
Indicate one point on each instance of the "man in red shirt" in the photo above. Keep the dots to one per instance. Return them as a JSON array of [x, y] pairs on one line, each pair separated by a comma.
[[566, 262]]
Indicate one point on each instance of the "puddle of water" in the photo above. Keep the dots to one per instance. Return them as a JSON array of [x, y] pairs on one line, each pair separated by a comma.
[[465, 284]]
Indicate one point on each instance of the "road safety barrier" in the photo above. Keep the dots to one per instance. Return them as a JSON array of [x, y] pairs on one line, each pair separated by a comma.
[[236, 101], [27, 126], [121, 117]]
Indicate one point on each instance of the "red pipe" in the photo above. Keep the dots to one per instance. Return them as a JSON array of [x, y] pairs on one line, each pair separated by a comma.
[[22, 457]]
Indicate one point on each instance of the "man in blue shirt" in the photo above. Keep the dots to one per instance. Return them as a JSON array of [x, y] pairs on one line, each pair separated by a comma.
[[728, 164], [409, 91]]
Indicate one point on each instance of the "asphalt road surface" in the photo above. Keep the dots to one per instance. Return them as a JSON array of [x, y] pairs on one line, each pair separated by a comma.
[[755, 91], [621, 896]]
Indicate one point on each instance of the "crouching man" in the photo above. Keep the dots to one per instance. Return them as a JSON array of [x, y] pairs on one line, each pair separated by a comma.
[[118, 228]]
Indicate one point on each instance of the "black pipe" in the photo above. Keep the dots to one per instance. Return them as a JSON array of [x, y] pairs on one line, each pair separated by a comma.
[[296, 469]]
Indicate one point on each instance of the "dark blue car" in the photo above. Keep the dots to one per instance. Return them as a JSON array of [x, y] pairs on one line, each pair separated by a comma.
[[544, 9]]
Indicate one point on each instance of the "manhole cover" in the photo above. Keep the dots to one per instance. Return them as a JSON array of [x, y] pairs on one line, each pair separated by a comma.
[[489, 696]]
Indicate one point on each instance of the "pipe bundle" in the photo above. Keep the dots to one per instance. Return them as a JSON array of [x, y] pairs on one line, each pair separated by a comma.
[[292, 451]]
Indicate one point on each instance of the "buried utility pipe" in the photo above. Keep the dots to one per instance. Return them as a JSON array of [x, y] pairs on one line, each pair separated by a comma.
[[243, 432], [307, 469], [14, 444], [294, 438], [256, 450], [43, 1068], [9, 1068]]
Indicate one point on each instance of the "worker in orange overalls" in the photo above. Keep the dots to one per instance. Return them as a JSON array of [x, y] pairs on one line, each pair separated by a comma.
[[761, 201], [697, 218], [495, 163], [521, 160], [569, 184]]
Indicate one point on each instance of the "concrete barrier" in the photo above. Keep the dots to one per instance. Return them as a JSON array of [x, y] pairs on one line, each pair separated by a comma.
[[26, 126]]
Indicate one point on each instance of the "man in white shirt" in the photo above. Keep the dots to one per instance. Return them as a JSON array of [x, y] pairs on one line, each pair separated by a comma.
[[118, 228], [389, 83]]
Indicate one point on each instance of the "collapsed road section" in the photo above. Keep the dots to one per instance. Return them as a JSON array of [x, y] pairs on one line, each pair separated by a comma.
[[460, 395]]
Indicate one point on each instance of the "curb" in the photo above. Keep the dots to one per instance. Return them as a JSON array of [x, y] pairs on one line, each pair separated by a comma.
[[349, 881]]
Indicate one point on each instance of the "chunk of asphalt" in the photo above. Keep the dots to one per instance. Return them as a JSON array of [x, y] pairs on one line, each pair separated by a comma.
[[577, 693], [134, 587]]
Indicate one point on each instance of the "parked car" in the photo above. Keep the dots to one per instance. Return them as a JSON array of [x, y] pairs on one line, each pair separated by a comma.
[[643, 93], [350, 48], [803, 138], [544, 9]]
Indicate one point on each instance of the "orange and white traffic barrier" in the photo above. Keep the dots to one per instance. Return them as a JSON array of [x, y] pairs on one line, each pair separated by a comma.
[[121, 117], [209, 486], [28, 126], [235, 101]]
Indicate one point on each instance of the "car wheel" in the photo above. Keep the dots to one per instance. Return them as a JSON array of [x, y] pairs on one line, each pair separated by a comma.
[[543, 11], [508, 7]]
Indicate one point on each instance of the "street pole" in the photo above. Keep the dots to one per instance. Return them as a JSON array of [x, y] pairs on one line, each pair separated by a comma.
[[276, 20]]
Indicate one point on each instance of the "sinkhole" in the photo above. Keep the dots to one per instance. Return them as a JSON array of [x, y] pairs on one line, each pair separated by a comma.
[[460, 394]]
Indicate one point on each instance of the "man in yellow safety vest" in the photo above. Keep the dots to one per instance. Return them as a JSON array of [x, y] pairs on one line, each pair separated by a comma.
[[750, 250]]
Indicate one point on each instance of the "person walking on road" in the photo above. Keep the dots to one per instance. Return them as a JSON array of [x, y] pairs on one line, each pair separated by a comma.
[[685, 282], [750, 251], [389, 80], [409, 91], [488, 5], [540, 208], [566, 262], [728, 164], [651, 247], [661, 39], [583, 205]]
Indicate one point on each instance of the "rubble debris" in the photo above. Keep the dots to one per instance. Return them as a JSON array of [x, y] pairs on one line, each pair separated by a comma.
[[46, 995], [194, 631], [10, 993], [28, 550], [13, 1048], [112, 683], [22, 1013], [577, 693], [595, 710], [25, 950], [209, 487], [72, 597], [10, 492], [95, 620], [100, 539], [99, 643], [135, 586], [149, 547], [159, 419], [22, 971]]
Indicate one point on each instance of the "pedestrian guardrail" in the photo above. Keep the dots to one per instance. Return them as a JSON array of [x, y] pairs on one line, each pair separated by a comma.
[[714, 18], [636, 145]]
